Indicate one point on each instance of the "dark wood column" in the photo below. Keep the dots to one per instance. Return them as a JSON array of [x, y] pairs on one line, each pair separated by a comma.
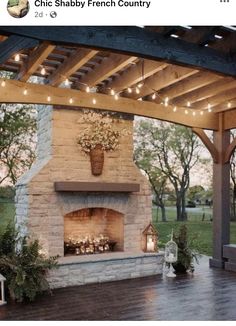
[[221, 196]]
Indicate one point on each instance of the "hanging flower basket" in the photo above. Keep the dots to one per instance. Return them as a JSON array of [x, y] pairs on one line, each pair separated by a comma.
[[97, 159]]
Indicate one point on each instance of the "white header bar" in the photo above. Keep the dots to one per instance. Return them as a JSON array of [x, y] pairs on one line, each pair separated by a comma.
[[121, 12]]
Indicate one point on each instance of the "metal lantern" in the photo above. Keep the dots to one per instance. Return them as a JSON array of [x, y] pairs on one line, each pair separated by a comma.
[[150, 239], [171, 255]]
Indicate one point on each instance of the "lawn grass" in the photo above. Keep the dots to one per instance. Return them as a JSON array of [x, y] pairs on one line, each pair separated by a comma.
[[7, 213], [200, 230]]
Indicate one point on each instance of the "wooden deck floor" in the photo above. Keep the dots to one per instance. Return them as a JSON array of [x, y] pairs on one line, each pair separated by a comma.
[[208, 294]]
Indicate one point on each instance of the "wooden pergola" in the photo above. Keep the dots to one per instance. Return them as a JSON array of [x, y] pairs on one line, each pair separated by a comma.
[[179, 74]]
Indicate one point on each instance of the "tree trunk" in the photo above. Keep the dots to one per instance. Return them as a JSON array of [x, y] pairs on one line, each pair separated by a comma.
[[178, 208], [163, 214]]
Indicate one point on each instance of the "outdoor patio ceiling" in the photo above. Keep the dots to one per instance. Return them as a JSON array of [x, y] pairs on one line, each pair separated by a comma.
[[180, 74], [191, 80]]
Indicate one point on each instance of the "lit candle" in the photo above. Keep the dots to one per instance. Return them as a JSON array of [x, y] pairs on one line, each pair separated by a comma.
[[150, 245]]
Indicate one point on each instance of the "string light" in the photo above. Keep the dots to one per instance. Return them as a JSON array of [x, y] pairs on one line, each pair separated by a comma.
[[154, 96], [71, 100], [116, 97], [186, 111], [209, 107], [129, 90], [94, 101], [112, 92], [201, 112], [67, 82], [188, 104], [166, 101], [17, 57], [25, 92], [3, 83], [87, 89], [194, 113], [43, 71], [49, 98], [140, 85], [137, 90], [175, 109], [229, 105]]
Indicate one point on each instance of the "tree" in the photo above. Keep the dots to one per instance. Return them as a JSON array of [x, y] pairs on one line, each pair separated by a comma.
[[17, 140], [145, 160], [175, 151]]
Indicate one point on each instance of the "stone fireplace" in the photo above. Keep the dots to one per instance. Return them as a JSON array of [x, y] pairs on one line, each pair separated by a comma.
[[59, 199]]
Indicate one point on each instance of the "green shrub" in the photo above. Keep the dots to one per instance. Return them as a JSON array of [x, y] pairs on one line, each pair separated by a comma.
[[23, 265], [186, 254]]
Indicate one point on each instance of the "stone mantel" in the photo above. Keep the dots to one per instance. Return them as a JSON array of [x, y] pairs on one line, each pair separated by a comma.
[[96, 186]]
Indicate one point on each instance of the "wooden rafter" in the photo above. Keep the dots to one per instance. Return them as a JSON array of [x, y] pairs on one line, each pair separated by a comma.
[[189, 84], [134, 74], [74, 98], [109, 66], [71, 65], [216, 99], [144, 44], [14, 44], [168, 76], [206, 92], [226, 106], [34, 60]]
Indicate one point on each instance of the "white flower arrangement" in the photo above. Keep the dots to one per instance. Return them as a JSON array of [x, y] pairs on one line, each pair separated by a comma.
[[100, 130]]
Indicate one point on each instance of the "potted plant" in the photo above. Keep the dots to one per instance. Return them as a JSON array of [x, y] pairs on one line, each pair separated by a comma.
[[186, 255], [100, 134]]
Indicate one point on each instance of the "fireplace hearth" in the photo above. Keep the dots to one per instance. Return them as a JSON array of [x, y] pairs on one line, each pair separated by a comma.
[[94, 223]]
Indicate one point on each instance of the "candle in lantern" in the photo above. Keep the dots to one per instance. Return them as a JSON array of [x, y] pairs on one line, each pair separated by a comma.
[[150, 245]]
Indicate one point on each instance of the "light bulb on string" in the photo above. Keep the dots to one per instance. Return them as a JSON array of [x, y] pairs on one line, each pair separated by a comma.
[[67, 82], [137, 90], [129, 90], [49, 98], [174, 109], [186, 111], [94, 101], [116, 97], [25, 92], [201, 112], [87, 89], [140, 85], [43, 71], [209, 107], [3, 83], [112, 92], [17, 57], [71, 100], [229, 105], [154, 96], [194, 113], [188, 104], [166, 101]]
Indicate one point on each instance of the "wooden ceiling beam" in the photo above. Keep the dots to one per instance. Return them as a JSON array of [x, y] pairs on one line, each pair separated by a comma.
[[14, 44], [225, 106], [34, 60], [168, 76], [132, 40], [109, 66], [216, 100], [134, 74], [73, 63], [189, 84], [206, 92], [38, 94]]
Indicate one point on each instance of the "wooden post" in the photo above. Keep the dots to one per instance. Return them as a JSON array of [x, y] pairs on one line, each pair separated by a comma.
[[221, 196]]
